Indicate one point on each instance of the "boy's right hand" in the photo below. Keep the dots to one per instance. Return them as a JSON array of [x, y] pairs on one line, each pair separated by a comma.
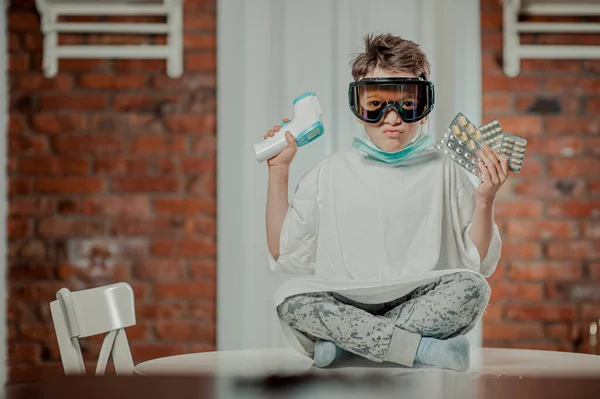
[[286, 156]]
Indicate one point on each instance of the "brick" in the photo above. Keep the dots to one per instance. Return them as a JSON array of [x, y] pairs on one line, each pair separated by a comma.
[[28, 145], [497, 102], [203, 186], [161, 310], [201, 4], [88, 143], [159, 270], [30, 206], [131, 206], [136, 66], [70, 228], [592, 146], [521, 250], [541, 312], [519, 209], [146, 103], [561, 331], [516, 291], [185, 331], [585, 292], [69, 185], [570, 126], [541, 229], [200, 62], [18, 228], [574, 208], [39, 165], [14, 43], [532, 166], [145, 184], [492, 313], [27, 353], [490, 20], [23, 21], [203, 310], [549, 188], [204, 41], [182, 123], [590, 311], [185, 206], [591, 230], [206, 269], [19, 186], [154, 227], [544, 271], [491, 42], [16, 126], [539, 65], [115, 39], [74, 65], [145, 352], [185, 290], [166, 165], [38, 83], [75, 102], [57, 124], [31, 271], [572, 84], [512, 331], [157, 144], [34, 372], [593, 105], [521, 83], [186, 248], [594, 187], [35, 291], [581, 166], [121, 166], [68, 206], [206, 21], [203, 102], [125, 122], [573, 250], [523, 126], [187, 82], [200, 227], [556, 145], [112, 82], [198, 165], [205, 146], [18, 63]]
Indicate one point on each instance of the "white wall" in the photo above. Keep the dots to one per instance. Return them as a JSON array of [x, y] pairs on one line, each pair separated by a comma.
[[3, 198], [270, 51]]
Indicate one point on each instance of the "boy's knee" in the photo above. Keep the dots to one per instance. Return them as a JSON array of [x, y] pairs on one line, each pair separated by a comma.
[[472, 287]]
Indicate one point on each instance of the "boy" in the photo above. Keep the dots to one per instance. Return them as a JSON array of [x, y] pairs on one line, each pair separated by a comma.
[[397, 235]]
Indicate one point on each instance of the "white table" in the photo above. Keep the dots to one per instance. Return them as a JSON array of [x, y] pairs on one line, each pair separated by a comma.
[[262, 362]]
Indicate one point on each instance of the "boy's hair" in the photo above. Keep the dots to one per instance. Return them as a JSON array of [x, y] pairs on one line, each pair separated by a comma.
[[391, 53]]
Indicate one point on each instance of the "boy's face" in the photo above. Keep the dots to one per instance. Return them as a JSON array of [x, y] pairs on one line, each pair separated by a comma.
[[391, 134]]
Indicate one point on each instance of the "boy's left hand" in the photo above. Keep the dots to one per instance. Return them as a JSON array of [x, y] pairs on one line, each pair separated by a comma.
[[494, 172]]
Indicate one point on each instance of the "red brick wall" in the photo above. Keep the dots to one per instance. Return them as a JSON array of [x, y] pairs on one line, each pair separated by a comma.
[[111, 178], [546, 290]]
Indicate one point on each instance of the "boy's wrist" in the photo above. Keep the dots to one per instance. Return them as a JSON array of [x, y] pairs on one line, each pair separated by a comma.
[[279, 168]]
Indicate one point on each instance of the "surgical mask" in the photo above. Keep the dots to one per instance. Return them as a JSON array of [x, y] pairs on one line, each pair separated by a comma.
[[421, 145]]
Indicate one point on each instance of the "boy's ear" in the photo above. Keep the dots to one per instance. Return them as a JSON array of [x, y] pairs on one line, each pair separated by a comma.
[[424, 119]]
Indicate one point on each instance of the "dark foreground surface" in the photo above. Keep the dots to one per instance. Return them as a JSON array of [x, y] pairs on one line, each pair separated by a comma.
[[310, 385]]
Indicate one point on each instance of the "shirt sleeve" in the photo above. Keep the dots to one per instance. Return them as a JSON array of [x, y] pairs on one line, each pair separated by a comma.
[[298, 239], [464, 208]]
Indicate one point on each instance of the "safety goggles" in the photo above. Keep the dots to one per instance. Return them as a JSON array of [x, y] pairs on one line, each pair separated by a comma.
[[411, 98]]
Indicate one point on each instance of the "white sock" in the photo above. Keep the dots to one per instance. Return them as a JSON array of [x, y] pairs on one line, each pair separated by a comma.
[[449, 354]]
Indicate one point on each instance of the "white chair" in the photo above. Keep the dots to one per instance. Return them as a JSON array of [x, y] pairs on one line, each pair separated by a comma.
[[514, 51], [51, 10], [109, 309]]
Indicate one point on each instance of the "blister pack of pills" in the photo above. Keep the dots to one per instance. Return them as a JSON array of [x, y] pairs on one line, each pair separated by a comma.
[[513, 147], [465, 131], [458, 150]]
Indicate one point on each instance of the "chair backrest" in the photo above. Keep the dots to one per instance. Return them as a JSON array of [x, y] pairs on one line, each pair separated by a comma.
[[108, 309]]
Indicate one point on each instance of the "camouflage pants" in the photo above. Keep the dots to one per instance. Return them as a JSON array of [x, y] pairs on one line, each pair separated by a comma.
[[446, 308]]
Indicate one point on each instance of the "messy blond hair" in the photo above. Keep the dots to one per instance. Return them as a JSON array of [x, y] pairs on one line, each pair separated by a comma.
[[391, 53]]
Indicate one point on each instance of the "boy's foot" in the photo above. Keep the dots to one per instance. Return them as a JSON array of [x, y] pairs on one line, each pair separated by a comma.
[[326, 352], [450, 354]]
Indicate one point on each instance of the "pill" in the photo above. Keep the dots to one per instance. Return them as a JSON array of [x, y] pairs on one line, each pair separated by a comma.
[[471, 128], [520, 156], [477, 134], [455, 130], [519, 149], [454, 156], [459, 151], [506, 145], [494, 122], [451, 145], [519, 143], [462, 120], [461, 161], [517, 161], [472, 145], [509, 140], [506, 151]]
